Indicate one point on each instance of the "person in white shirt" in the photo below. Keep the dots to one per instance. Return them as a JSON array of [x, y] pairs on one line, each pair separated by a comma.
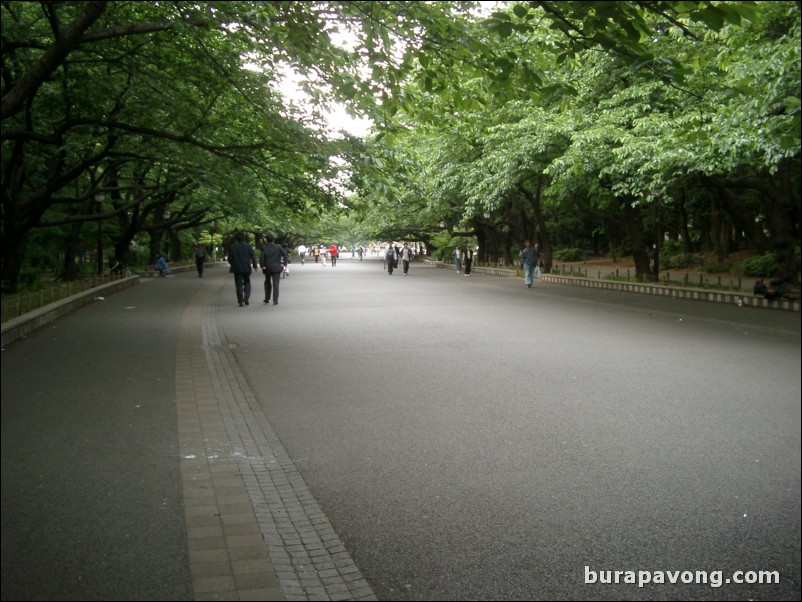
[[302, 252]]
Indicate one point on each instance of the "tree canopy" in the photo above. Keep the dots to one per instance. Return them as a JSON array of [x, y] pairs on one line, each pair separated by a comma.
[[616, 124]]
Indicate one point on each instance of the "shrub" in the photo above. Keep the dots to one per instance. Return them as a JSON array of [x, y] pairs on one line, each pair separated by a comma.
[[443, 254], [763, 266], [679, 260], [569, 255], [29, 278]]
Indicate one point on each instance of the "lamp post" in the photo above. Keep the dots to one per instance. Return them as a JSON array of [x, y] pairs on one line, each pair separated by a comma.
[[214, 245], [487, 222], [99, 198]]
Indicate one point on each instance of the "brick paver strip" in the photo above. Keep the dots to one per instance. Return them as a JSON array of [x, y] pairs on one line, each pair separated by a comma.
[[254, 529]]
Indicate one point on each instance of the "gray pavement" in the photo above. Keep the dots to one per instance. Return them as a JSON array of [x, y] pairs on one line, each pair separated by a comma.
[[413, 438]]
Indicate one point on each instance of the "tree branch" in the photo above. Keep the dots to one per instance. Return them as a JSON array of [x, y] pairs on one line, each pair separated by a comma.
[[14, 100]]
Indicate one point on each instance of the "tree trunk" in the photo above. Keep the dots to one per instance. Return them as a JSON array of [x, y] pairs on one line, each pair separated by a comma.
[[155, 245], [543, 229], [779, 232], [176, 249], [13, 249], [70, 268], [685, 232], [633, 222], [541, 236], [611, 246]]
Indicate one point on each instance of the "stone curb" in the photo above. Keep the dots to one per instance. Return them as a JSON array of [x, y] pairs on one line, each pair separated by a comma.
[[696, 294], [25, 324]]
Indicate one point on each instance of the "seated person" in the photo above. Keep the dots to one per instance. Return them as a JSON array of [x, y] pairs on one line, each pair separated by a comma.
[[777, 288], [780, 289], [163, 267]]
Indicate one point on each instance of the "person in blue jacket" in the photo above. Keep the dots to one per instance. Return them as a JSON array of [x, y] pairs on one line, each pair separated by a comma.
[[163, 267]]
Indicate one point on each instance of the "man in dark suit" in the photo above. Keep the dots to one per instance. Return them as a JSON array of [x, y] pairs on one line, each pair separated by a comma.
[[274, 258], [242, 259]]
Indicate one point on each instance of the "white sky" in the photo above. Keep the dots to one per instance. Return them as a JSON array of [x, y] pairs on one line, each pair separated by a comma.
[[338, 118]]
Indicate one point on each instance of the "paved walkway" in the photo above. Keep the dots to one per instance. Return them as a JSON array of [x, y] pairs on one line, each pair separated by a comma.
[[137, 463], [90, 505], [255, 532]]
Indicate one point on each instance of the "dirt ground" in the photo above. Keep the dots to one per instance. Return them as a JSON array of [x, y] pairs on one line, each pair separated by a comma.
[[692, 275]]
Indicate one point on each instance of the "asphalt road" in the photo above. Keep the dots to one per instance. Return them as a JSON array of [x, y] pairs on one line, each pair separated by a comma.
[[468, 438]]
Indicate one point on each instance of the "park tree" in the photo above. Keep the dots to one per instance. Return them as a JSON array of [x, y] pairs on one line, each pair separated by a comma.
[[639, 117], [646, 118], [166, 108]]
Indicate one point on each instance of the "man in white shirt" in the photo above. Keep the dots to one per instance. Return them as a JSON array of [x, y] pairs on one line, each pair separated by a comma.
[[302, 252]]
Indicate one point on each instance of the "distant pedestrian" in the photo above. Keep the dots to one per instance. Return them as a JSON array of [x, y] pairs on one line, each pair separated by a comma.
[[468, 260], [273, 259], [457, 257], [302, 252], [406, 257], [242, 260], [200, 258], [316, 253], [390, 259], [334, 250], [528, 262]]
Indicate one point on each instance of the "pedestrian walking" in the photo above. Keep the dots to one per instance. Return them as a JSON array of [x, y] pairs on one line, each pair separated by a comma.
[[390, 259], [406, 257], [242, 260], [302, 252], [334, 250], [200, 258], [457, 257], [468, 260], [273, 259], [528, 262]]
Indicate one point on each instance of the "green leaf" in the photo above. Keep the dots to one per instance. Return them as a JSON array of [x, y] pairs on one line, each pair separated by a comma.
[[713, 17], [505, 30], [520, 11]]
